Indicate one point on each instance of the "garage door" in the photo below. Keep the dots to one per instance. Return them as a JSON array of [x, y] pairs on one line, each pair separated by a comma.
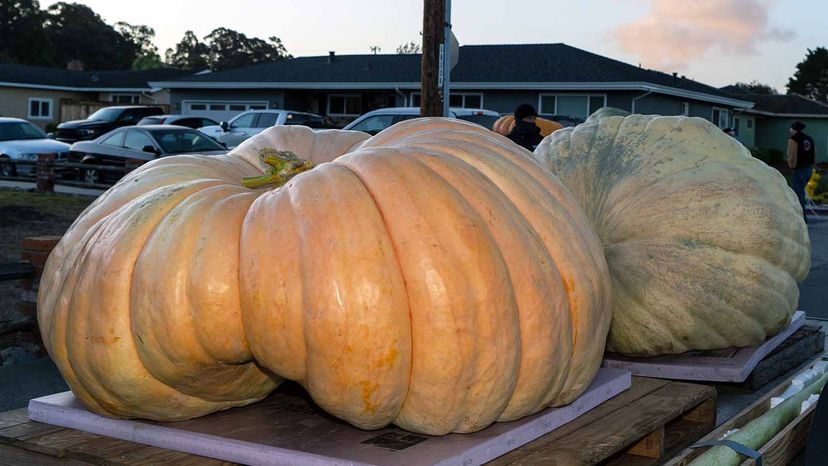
[[220, 110]]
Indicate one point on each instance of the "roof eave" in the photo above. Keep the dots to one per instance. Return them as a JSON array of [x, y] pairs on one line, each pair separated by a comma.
[[787, 115], [461, 85], [76, 89]]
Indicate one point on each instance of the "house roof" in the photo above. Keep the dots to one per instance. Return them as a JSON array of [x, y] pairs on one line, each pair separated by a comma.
[[524, 66], [792, 105], [15, 75]]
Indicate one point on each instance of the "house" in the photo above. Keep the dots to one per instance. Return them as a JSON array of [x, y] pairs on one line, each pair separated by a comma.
[[51, 95], [766, 125], [559, 80]]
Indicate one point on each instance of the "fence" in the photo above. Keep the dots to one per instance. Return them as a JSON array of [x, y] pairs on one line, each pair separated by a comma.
[[51, 171]]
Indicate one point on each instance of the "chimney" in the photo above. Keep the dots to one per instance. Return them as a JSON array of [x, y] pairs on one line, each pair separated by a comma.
[[331, 56], [675, 75], [74, 65]]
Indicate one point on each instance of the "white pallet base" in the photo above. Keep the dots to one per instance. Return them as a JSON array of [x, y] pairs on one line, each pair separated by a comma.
[[731, 365], [288, 429]]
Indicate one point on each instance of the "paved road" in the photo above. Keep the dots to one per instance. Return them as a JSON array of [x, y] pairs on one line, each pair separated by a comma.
[[60, 189], [813, 297]]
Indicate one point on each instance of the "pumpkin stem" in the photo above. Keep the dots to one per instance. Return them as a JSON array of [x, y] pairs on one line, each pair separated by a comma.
[[284, 165]]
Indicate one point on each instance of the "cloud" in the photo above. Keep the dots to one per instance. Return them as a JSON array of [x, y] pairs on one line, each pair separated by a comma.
[[677, 32]]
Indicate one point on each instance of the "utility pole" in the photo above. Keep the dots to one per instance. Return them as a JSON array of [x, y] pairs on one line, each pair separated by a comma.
[[434, 14], [445, 65]]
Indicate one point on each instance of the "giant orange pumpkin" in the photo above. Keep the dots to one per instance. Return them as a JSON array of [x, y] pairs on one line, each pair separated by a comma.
[[505, 124], [433, 276]]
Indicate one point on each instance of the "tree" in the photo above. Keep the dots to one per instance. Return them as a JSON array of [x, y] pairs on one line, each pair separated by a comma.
[[141, 38], [753, 87], [75, 32], [375, 49], [224, 48], [189, 53], [811, 77], [409, 48], [22, 37]]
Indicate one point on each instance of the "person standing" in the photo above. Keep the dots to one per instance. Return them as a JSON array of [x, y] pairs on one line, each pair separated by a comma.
[[801, 152], [526, 133]]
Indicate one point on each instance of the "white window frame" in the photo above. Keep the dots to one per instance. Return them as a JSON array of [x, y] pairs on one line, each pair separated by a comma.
[[39, 101], [134, 98], [247, 104], [410, 100], [721, 110], [685, 108], [344, 96], [559, 94]]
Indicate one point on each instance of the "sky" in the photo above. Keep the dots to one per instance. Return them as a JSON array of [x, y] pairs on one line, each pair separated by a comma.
[[717, 42]]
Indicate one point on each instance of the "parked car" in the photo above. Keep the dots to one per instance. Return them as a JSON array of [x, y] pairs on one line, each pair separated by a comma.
[[102, 122], [139, 143], [21, 140], [377, 120], [246, 124], [189, 121]]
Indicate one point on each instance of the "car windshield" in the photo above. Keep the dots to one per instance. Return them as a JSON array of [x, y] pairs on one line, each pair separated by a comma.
[[106, 114], [486, 121], [19, 130], [181, 141]]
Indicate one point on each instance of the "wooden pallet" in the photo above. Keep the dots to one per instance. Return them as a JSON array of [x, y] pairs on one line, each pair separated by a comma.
[[644, 425], [780, 449], [648, 423], [802, 346]]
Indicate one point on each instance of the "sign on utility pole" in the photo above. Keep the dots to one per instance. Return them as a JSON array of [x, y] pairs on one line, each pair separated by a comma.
[[451, 53], [434, 15]]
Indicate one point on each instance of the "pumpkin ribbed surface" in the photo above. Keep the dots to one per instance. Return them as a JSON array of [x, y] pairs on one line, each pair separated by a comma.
[[705, 243], [432, 276]]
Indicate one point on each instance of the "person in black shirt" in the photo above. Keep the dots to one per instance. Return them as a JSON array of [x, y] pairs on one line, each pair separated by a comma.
[[526, 133], [801, 152]]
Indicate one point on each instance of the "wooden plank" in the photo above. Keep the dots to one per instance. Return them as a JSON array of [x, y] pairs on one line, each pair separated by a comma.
[[13, 418], [651, 446], [640, 387], [13, 456], [597, 441]]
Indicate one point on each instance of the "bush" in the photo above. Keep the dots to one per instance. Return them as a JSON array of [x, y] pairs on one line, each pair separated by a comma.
[[773, 157]]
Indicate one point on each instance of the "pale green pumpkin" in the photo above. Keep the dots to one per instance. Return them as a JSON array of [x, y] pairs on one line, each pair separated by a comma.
[[705, 243]]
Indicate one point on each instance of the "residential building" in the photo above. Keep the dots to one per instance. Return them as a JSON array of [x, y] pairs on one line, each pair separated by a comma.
[[52, 95], [559, 80], [767, 124]]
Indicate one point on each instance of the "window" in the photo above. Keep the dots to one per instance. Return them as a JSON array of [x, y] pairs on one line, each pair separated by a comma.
[[685, 108], [736, 123], [218, 107], [344, 105], [125, 98], [720, 117], [573, 106], [114, 140], [40, 109], [244, 121], [200, 107], [183, 141], [13, 130], [596, 102], [548, 105], [257, 107], [137, 140], [374, 124], [266, 120], [750, 123], [456, 100], [234, 108]]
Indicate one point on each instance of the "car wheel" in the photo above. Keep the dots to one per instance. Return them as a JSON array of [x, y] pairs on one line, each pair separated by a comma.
[[6, 167], [90, 175]]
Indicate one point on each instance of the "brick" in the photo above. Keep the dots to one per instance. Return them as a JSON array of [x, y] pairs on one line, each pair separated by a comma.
[[40, 243], [35, 257]]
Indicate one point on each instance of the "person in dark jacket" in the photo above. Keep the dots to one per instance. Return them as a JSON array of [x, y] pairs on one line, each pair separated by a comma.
[[526, 133], [801, 152]]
